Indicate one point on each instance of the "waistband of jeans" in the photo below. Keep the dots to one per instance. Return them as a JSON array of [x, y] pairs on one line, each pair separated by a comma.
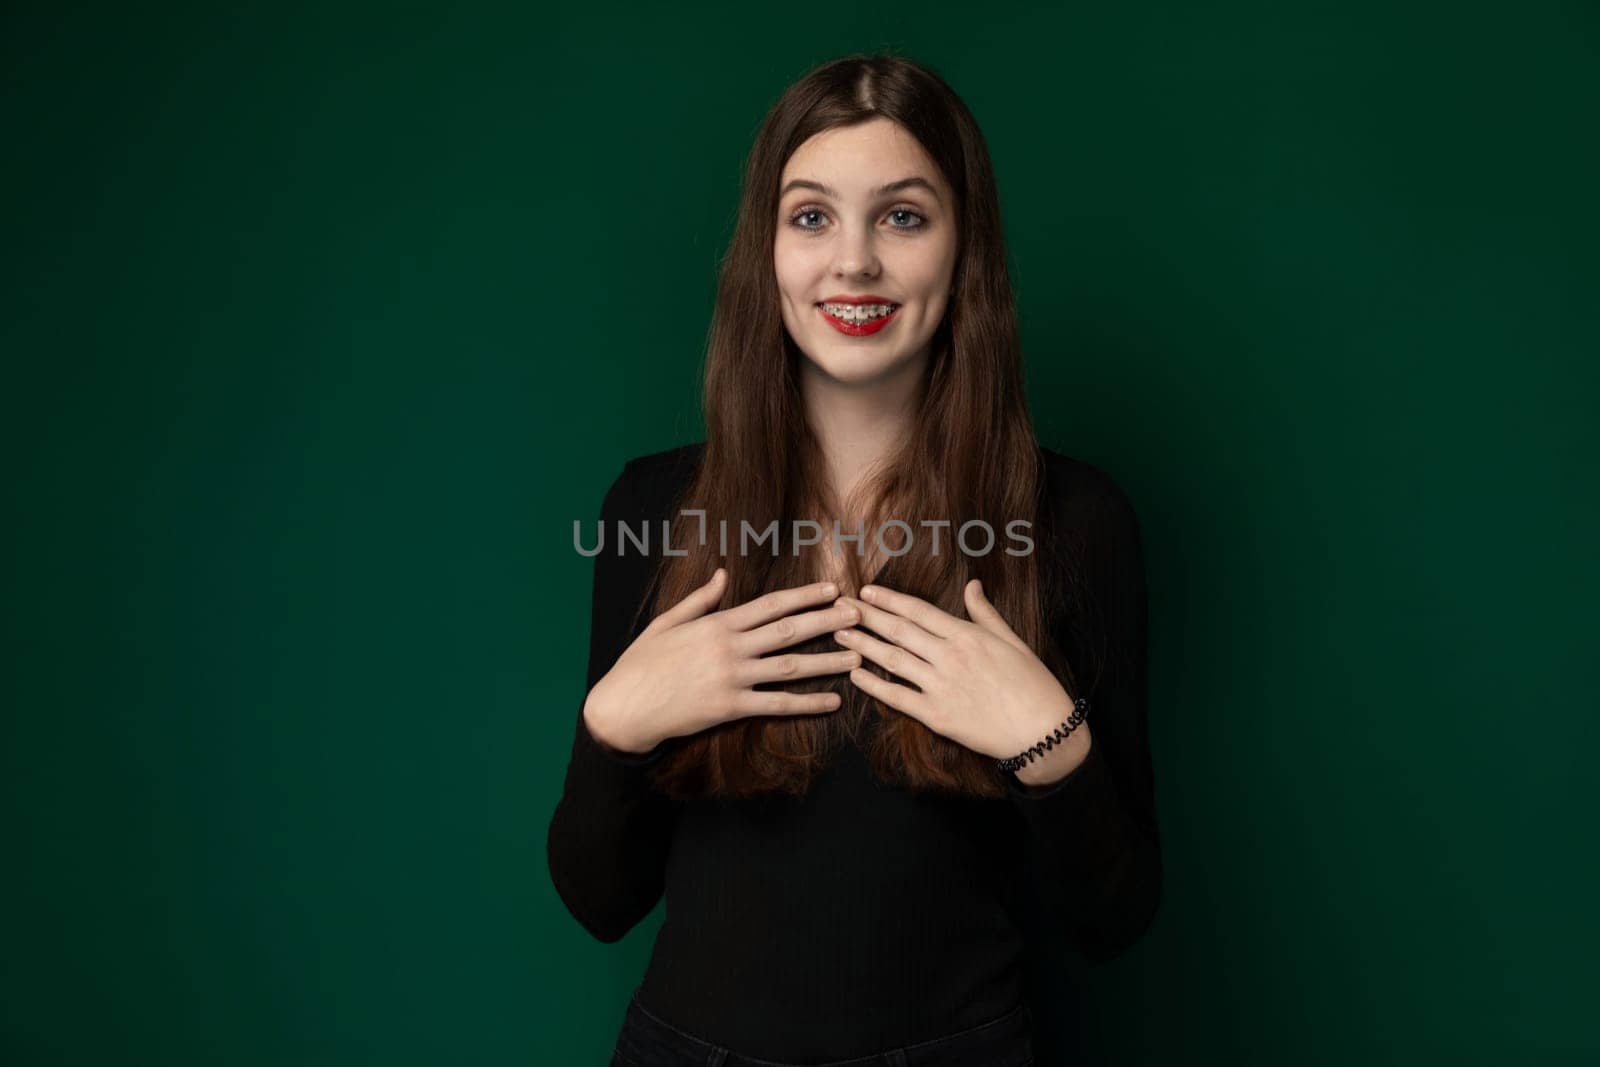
[[998, 1035], [949, 1049], [662, 1033]]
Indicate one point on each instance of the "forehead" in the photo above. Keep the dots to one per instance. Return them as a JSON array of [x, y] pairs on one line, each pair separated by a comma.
[[853, 160]]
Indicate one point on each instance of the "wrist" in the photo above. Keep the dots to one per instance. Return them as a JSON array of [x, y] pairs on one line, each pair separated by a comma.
[[599, 722], [1059, 762]]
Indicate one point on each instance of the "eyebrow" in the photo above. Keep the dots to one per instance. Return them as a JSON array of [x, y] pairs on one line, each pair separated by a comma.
[[882, 190]]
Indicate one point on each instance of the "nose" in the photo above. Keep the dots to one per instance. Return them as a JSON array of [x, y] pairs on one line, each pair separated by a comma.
[[855, 255]]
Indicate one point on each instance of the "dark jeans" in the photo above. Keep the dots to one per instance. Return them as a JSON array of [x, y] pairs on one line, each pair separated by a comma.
[[646, 1041]]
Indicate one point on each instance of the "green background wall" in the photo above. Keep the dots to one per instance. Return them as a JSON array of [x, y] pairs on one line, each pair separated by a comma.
[[321, 325]]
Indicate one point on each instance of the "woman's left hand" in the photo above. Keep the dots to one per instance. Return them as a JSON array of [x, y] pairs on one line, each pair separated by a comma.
[[982, 686]]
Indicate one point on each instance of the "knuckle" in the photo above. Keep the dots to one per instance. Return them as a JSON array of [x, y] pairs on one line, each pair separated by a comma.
[[788, 664], [786, 628]]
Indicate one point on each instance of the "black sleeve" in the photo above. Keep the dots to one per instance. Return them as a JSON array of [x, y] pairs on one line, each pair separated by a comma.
[[609, 835], [1099, 842]]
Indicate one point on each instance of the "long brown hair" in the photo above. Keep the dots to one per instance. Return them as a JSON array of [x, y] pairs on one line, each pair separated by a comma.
[[970, 454]]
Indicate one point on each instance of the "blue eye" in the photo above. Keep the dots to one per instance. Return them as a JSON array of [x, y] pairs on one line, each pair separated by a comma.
[[921, 221]]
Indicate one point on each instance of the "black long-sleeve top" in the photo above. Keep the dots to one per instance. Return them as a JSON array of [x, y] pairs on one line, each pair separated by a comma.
[[860, 917]]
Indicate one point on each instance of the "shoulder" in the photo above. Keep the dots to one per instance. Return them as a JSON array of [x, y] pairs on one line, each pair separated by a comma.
[[675, 464], [1078, 482], [1086, 501], [1097, 577], [650, 484]]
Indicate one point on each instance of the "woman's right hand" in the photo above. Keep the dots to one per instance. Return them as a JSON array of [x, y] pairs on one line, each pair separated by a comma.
[[689, 670]]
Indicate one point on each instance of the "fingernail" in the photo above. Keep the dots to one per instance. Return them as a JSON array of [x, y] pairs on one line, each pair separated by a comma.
[[830, 590], [869, 590]]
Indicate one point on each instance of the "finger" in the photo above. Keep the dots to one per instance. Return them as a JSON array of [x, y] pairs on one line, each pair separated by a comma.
[[794, 665], [897, 629], [777, 604], [792, 629], [696, 604], [779, 702], [891, 658], [899, 697], [986, 615], [919, 611]]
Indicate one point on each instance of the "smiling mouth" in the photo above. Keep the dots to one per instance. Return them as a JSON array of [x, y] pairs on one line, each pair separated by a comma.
[[858, 314], [858, 320]]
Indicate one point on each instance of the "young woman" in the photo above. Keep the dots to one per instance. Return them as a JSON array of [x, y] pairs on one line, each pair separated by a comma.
[[810, 743]]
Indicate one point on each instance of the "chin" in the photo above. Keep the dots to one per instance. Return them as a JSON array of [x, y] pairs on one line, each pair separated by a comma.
[[854, 367]]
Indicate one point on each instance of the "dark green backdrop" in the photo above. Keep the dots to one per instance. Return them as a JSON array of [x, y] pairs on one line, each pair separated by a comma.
[[322, 325]]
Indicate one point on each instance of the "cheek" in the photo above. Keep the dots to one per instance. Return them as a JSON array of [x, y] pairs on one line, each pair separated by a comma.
[[932, 270], [792, 269]]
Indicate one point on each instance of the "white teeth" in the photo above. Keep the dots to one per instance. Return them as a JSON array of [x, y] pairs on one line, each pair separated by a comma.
[[857, 313]]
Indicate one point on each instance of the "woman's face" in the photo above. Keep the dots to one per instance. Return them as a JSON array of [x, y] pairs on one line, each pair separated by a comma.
[[864, 212]]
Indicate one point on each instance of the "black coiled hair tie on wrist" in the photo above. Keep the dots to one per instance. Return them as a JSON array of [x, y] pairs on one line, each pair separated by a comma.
[[1080, 708]]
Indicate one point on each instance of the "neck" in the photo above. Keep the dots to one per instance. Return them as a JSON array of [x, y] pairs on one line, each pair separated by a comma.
[[857, 424]]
